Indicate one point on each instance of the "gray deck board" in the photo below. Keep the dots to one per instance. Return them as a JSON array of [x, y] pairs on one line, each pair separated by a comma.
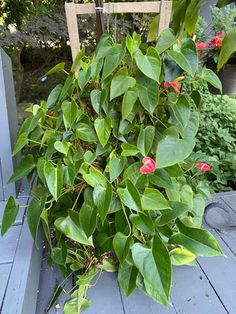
[[4, 275], [8, 245], [210, 287]]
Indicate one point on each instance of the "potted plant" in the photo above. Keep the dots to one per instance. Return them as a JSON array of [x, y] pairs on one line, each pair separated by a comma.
[[109, 153], [215, 43]]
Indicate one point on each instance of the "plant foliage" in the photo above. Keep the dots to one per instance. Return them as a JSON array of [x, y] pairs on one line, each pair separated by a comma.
[[86, 145]]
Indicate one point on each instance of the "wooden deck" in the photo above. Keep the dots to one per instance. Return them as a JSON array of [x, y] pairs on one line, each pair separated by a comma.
[[208, 288], [20, 262]]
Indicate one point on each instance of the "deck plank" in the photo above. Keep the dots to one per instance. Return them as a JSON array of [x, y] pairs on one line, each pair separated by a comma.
[[4, 275], [105, 296], [8, 245]]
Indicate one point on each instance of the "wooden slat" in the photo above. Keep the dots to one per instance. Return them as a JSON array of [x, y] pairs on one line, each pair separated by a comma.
[[221, 272], [105, 296], [72, 10], [138, 303], [8, 245], [192, 293], [4, 275]]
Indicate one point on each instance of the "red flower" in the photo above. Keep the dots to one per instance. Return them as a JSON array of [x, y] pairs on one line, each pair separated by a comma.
[[216, 41], [201, 45], [203, 166], [149, 166], [174, 85]]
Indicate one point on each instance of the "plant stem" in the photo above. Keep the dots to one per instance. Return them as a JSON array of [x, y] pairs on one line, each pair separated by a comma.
[[126, 217]]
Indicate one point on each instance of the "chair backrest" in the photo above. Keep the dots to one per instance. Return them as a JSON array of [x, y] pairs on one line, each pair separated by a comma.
[[73, 9], [8, 126]]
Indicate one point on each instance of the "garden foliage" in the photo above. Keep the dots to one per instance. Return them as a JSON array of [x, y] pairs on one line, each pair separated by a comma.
[[108, 151]]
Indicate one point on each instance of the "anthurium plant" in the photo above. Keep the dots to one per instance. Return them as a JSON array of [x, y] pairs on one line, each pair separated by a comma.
[[109, 152]]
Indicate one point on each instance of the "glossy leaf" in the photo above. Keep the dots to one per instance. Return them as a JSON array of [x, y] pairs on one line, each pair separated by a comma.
[[95, 97], [181, 256], [198, 241], [120, 84], [145, 139], [25, 166], [153, 199], [70, 112], [88, 218], [143, 223], [153, 29], [155, 266], [103, 129], [127, 275], [9, 216], [129, 150], [210, 77], [116, 166], [121, 245], [54, 179], [128, 102], [112, 60], [57, 68], [62, 147], [182, 111], [20, 143], [172, 150], [102, 199], [95, 178], [72, 231], [34, 211], [54, 96], [149, 96], [130, 196], [181, 61], [85, 133], [149, 64], [133, 43], [165, 40], [177, 209], [160, 178], [228, 48]]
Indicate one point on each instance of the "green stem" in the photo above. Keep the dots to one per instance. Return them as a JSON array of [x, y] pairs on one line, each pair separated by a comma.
[[126, 217]]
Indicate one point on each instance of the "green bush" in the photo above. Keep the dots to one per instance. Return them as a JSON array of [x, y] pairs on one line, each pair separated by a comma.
[[108, 150], [216, 140]]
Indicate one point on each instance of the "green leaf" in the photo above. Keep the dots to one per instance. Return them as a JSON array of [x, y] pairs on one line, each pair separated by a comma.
[[209, 76], [95, 178], [192, 126], [103, 129], [53, 96], [88, 218], [192, 57], [83, 78], [85, 133], [95, 97], [149, 96], [228, 48], [46, 229], [78, 57], [172, 150], [116, 166], [181, 111], [143, 222], [102, 199], [181, 256], [128, 102], [130, 196], [72, 231], [129, 150], [34, 211], [177, 209], [54, 178], [186, 195], [165, 40], [198, 241], [62, 147], [222, 3], [57, 68], [192, 14], [132, 172], [133, 43], [180, 59], [10, 212], [121, 245], [127, 275], [25, 166], [155, 266], [153, 199], [149, 64], [160, 178], [120, 84], [20, 143], [145, 139], [70, 113], [153, 29], [112, 60]]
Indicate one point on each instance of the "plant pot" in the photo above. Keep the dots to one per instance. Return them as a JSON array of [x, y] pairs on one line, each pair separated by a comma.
[[227, 77]]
